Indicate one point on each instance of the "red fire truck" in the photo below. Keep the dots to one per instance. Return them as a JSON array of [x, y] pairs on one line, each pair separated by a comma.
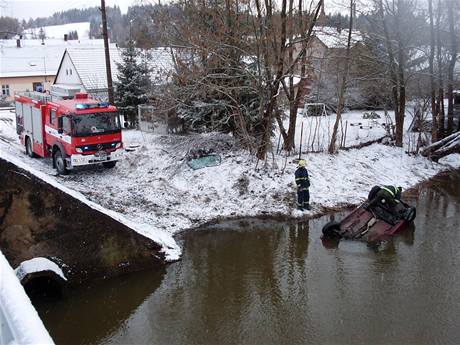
[[73, 132]]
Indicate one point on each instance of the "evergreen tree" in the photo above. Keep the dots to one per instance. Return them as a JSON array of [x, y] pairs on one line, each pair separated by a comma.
[[133, 82]]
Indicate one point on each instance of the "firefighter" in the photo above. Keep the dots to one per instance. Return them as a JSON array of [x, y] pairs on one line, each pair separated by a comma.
[[303, 183], [389, 195]]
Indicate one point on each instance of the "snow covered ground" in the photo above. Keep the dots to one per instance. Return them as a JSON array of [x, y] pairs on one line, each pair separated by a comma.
[[58, 31], [154, 191], [353, 130]]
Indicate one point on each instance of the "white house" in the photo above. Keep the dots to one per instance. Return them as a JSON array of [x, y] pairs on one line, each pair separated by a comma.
[[85, 67], [31, 65]]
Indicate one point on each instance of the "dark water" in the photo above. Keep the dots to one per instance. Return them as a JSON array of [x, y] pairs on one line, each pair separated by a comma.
[[275, 283]]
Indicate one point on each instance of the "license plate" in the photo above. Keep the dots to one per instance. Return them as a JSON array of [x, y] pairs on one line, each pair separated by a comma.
[[100, 155]]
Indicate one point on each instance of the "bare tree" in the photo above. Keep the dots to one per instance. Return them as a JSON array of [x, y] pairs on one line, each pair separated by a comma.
[[441, 130], [434, 130], [453, 59], [342, 87], [396, 66], [398, 34], [295, 92], [231, 60]]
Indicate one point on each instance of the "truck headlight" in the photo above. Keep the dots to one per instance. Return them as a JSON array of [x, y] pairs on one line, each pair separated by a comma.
[[118, 145], [79, 150]]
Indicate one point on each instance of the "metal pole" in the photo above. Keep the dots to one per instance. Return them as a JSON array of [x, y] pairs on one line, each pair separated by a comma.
[[139, 111], [107, 53], [301, 137]]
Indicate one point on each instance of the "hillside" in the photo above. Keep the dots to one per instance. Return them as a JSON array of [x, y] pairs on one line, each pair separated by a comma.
[[58, 31]]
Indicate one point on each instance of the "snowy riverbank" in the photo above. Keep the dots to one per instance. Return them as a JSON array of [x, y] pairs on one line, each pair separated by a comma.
[[155, 192]]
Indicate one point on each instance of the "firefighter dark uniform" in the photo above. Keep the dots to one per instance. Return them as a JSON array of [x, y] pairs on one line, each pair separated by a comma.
[[390, 195], [303, 183]]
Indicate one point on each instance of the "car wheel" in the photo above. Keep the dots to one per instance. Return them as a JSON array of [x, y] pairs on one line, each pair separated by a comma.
[[59, 163], [331, 230], [109, 165], [29, 150], [411, 214]]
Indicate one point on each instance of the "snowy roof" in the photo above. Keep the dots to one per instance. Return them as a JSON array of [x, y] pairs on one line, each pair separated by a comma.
[[332, 38], [33, 58], [89, 63], [30, 61], [58, 31]]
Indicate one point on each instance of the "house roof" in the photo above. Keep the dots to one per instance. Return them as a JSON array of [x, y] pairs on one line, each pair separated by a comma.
[[29, 61], [89, 62], [332, 38], [33, 58]]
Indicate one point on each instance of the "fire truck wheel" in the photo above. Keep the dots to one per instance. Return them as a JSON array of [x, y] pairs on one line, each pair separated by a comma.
[[59, 163], [29, 150], [109, 165]]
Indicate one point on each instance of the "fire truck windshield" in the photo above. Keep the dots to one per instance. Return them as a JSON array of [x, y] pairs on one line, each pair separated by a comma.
[[93, 124]]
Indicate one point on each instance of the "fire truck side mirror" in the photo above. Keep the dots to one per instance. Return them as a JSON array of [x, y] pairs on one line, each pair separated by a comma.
[[60, 130]]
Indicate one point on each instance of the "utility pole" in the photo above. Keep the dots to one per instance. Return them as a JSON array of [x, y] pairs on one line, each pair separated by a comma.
[[107, 53]]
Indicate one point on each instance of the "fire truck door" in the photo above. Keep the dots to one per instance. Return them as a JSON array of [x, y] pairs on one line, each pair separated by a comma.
[[27, 114], [19, 118], [37, 126]]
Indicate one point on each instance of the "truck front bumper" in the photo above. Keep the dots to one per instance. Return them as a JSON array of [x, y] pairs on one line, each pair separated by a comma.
[[79, 160]]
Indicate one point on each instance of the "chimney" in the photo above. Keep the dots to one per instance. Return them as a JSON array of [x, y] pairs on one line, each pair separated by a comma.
[[65, 37], [321, 21], [18, 43]]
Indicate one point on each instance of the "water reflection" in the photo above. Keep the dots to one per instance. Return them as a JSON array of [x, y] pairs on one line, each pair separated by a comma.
[[89, 314]]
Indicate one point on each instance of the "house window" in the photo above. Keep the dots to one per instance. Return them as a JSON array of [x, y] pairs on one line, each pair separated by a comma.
[[5, 90], [38, 87], [70, 72], [52, 116]]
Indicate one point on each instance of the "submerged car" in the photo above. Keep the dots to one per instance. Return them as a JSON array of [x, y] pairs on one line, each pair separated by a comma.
[[371, 222]]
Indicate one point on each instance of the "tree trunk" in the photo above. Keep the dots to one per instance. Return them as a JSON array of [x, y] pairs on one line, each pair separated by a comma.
[[341, 100], [289, 143], [450, 72], [401, 106], [296, 96], [395, 75], [271, 107], [434, 130], [444, 147], [440, 107], [268, 112]]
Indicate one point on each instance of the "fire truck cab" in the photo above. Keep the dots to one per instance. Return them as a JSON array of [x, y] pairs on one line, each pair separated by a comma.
[[73, 132]]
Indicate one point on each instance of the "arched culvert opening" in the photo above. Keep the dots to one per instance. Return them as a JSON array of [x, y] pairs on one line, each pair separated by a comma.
[[41, 278], [43, 285]]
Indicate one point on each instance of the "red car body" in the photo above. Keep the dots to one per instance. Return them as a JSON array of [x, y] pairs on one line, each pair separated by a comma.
[[370, 223]]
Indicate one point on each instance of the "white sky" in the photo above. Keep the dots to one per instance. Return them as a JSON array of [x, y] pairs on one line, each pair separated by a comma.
[[25, 9]]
